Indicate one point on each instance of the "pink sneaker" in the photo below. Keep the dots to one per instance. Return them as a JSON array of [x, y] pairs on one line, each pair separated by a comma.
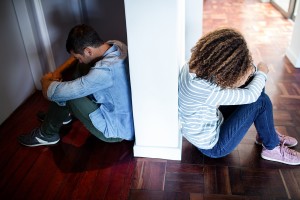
[[281, 154], [287, 140]]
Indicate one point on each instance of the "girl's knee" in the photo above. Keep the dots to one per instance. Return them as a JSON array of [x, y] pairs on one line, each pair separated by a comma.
[[266, 99]]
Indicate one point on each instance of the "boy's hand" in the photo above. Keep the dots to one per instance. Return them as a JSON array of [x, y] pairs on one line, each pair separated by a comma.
[[46, 80]]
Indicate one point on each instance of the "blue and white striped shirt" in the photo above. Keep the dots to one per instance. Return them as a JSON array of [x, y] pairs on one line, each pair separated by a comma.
[[199, 100]]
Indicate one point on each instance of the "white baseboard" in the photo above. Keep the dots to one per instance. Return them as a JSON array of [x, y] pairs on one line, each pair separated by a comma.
[[292, 58], [169, 153]]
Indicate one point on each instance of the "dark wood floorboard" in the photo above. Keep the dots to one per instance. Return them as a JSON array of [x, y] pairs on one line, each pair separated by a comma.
[[82, 167]]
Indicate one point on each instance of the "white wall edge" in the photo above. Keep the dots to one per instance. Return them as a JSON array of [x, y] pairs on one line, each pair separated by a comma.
[[181, 19], [292, 57], [79, 9], [169, 153], [193, 25], [44, 34], [29, 41]]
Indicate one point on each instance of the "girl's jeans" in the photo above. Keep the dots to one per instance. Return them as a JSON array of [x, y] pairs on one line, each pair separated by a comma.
[[237, 121]]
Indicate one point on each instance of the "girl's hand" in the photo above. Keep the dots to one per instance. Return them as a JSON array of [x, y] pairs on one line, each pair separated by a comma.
[[263, 67]]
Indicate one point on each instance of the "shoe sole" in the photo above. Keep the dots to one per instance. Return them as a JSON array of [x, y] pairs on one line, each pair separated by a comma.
[[40, 144], [258, 143], [271, 159]]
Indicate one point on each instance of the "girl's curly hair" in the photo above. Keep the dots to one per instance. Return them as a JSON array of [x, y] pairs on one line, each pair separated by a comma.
[[221, 57]]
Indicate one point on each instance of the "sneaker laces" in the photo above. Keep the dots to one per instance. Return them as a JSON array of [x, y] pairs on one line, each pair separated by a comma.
[[285, 151], [35, 132], [282, 137]]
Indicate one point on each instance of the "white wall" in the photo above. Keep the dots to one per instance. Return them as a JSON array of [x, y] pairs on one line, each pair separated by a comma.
[[157, 43], [293, 51], [16, 82], [24, 56], [154, 58], [54, 20], [107, 17], [193, 24]]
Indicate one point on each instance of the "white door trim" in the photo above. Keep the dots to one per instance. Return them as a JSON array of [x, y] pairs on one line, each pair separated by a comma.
[[29, 41], [44, 34]]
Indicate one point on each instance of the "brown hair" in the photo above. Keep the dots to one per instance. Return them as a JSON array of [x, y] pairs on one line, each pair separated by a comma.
[[221, 57], [82, 36]]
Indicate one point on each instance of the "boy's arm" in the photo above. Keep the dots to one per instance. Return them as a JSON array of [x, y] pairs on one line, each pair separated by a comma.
[[70, 62], [57, 74]]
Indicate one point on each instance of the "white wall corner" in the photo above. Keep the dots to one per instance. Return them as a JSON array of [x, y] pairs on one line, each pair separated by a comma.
[[293, 51], [155, 35], [44, 34], [78, 8], [181, 34], [160, 35], [293, 58], [193, 24]]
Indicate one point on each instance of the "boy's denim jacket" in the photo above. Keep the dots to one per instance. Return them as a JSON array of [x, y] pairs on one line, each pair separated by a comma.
[[109, 84]]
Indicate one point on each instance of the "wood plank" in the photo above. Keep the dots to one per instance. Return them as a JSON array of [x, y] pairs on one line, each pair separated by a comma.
[[291, 179], [236, 181], [184, 182], [223, 178], [157, 195], [16, 170], [149, 175], [37, 178], [210, 182], [66, 157]]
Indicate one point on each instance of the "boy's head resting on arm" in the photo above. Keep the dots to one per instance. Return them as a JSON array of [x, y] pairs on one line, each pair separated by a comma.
[[85, 44], [222, 57]]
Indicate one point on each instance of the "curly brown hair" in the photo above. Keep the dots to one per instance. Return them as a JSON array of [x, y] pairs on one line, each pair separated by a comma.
[[221, 57]]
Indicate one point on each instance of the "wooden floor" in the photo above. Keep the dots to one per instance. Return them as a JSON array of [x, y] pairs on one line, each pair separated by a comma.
[[82, 167]]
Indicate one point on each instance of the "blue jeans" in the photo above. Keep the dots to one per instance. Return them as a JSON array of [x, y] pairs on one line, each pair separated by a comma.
[[237, 121]]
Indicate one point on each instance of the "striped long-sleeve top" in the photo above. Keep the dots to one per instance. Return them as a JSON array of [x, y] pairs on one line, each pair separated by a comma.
[[199, 100]]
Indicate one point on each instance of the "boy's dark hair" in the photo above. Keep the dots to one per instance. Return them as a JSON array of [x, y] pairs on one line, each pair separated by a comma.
[[221, 57], [82, 36]]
